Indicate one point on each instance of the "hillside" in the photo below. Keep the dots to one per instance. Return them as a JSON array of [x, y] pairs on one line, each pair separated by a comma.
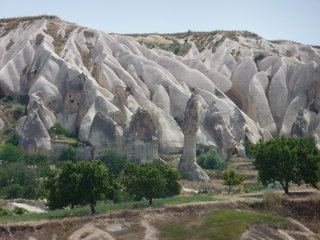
[[130, 92]]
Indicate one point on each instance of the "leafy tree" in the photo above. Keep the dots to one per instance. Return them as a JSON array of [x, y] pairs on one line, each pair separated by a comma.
[[19, 180], [151, 179], [114, 162], [11, 153], [68, 154], [13, 191], [82, 183], [287, 159], [17, 173], [211, 160], [35, 159], [231, 179]]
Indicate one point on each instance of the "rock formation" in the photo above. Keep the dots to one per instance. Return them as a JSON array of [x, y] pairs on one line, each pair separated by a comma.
[[188, 162], [247, 87]]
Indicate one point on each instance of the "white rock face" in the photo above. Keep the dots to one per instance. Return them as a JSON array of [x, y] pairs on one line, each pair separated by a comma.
[[96, 82]]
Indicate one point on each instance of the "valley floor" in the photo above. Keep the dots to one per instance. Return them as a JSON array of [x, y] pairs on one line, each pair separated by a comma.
[[149, 222]]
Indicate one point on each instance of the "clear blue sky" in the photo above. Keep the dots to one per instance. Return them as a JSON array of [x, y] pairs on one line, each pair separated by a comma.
[[296, 20]]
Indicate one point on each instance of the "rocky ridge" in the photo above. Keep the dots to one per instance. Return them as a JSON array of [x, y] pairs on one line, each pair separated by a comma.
[[130, 92]]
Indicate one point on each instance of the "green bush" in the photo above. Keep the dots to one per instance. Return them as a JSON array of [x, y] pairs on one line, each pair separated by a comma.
[[211, 160], [13, 191], [13, 138], [74, 144], [59, 130], [11, 153], [19, 110], [19, 211], [5, 212], [68, 154]]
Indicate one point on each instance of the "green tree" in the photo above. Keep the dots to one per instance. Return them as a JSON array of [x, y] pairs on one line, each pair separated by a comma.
[[287, 159], [114, 162], [11, 153], [13, 191], [68, 154], [18, 179], [151, 179], [35, 159], [211, 160], [82, 183], [231, 179]]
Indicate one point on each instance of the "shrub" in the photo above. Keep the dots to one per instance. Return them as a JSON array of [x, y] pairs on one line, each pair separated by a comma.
[[13, 191], [13, 138], [68, 154], [5, 212], [74, 144], [211, 160], [11, 153], [59, 130], [271, 200], [18, 111], [19, 210]]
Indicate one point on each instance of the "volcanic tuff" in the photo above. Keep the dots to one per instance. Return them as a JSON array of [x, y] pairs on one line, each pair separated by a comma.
[[130, 92]]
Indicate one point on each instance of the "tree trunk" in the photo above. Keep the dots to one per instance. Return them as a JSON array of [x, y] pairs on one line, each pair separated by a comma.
[[286, 190], [93, 210], [229, 190], [285, 187], [150, 200]]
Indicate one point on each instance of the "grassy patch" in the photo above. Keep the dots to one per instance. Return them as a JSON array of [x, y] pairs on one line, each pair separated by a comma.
[[101, 208], [222, 225]]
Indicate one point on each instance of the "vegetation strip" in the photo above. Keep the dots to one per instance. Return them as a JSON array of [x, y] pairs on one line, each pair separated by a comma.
[[102, 208]]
